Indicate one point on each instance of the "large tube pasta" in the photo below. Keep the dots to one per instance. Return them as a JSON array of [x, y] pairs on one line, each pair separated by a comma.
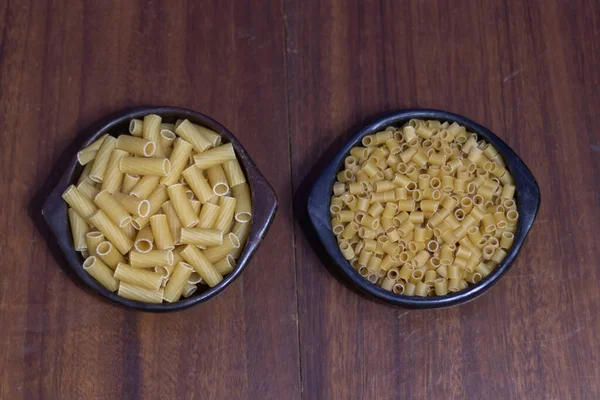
[[193, 135], [216, 156], [101, 272], [130, 246], [201, 237], [182, 206], [113, 177], [227, 210], [153, 258], [234, 173], [151, 132], [175, 285], [139, 277], [208, 215], [93, 239], [111, 206], [161, 232], [179, 159], [112, 232], [198, 183], [101, 161], [145, 166], [79, 228], [202, 265], [88, 154], [243, 205], [218, 180], [107, 252], [79, 202], [139, 293]]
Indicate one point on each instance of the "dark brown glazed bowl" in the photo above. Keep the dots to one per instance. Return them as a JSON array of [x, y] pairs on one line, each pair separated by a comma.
[[264, 206], [527, 196]]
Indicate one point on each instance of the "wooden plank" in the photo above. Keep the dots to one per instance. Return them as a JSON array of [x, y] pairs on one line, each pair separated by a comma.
[[527, 70], [64, 65]]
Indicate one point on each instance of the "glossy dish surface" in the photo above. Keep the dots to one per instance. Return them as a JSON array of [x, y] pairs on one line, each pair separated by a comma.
[[527, 196], [264, 205]]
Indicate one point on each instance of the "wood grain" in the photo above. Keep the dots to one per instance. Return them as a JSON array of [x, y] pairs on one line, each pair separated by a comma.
[[293, 80], [529, 71], [65, 64]]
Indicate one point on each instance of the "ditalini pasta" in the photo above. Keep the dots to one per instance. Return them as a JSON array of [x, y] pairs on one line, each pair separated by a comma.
[[163, 210], [426, 209]]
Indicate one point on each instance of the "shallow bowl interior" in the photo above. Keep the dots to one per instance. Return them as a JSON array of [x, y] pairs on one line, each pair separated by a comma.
[[527, 196], [264, 205]]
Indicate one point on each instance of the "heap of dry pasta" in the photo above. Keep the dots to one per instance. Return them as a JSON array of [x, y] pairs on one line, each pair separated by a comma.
[[159, 211], [424, 210]]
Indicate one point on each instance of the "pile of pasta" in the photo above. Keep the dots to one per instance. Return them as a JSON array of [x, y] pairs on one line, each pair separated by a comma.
[[424, 210], [159, 211]]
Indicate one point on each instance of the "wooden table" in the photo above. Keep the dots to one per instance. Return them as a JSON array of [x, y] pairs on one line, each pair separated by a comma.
[[292, 79]]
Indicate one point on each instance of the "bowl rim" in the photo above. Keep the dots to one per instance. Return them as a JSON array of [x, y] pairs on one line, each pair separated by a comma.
[[527, 194], [264, 205]]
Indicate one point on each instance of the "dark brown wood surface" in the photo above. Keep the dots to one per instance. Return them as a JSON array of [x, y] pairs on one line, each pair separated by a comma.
[[293, 79]]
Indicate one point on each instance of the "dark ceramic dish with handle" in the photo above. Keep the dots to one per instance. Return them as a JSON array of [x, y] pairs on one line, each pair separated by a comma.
[[527, 196], [264, 206]]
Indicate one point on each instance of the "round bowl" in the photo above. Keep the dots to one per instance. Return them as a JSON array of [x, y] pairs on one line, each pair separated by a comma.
[[264, 204], [527, 195]]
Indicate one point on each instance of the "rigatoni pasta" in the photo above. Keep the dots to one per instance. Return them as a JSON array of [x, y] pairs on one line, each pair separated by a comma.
[[160, 211], [425, 201]]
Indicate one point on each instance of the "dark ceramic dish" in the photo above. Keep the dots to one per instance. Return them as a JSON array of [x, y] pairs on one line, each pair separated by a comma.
[[264, 206], [527, 195]]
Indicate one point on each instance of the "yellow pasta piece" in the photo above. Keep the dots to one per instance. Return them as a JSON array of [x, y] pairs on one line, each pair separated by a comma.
[[145, 166], [112, 232], [79, 229], [138, 293], [102, 157], [101, 272], [178, 160]]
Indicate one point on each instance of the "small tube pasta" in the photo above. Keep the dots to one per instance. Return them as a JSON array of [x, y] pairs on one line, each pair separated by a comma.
[[217, 180], [177, 281], [139, 293], [145, 166], [101, 161], [101, 272], [161, 232], [178, 160], [208, 215], [243, 204], [182, 205], [79, 202], [202, 265], [139, 277], [227, 207], [189, 289], [112, 232], [234, 173], [198, 183], [153, 258], [79, 229], [241, 232]]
